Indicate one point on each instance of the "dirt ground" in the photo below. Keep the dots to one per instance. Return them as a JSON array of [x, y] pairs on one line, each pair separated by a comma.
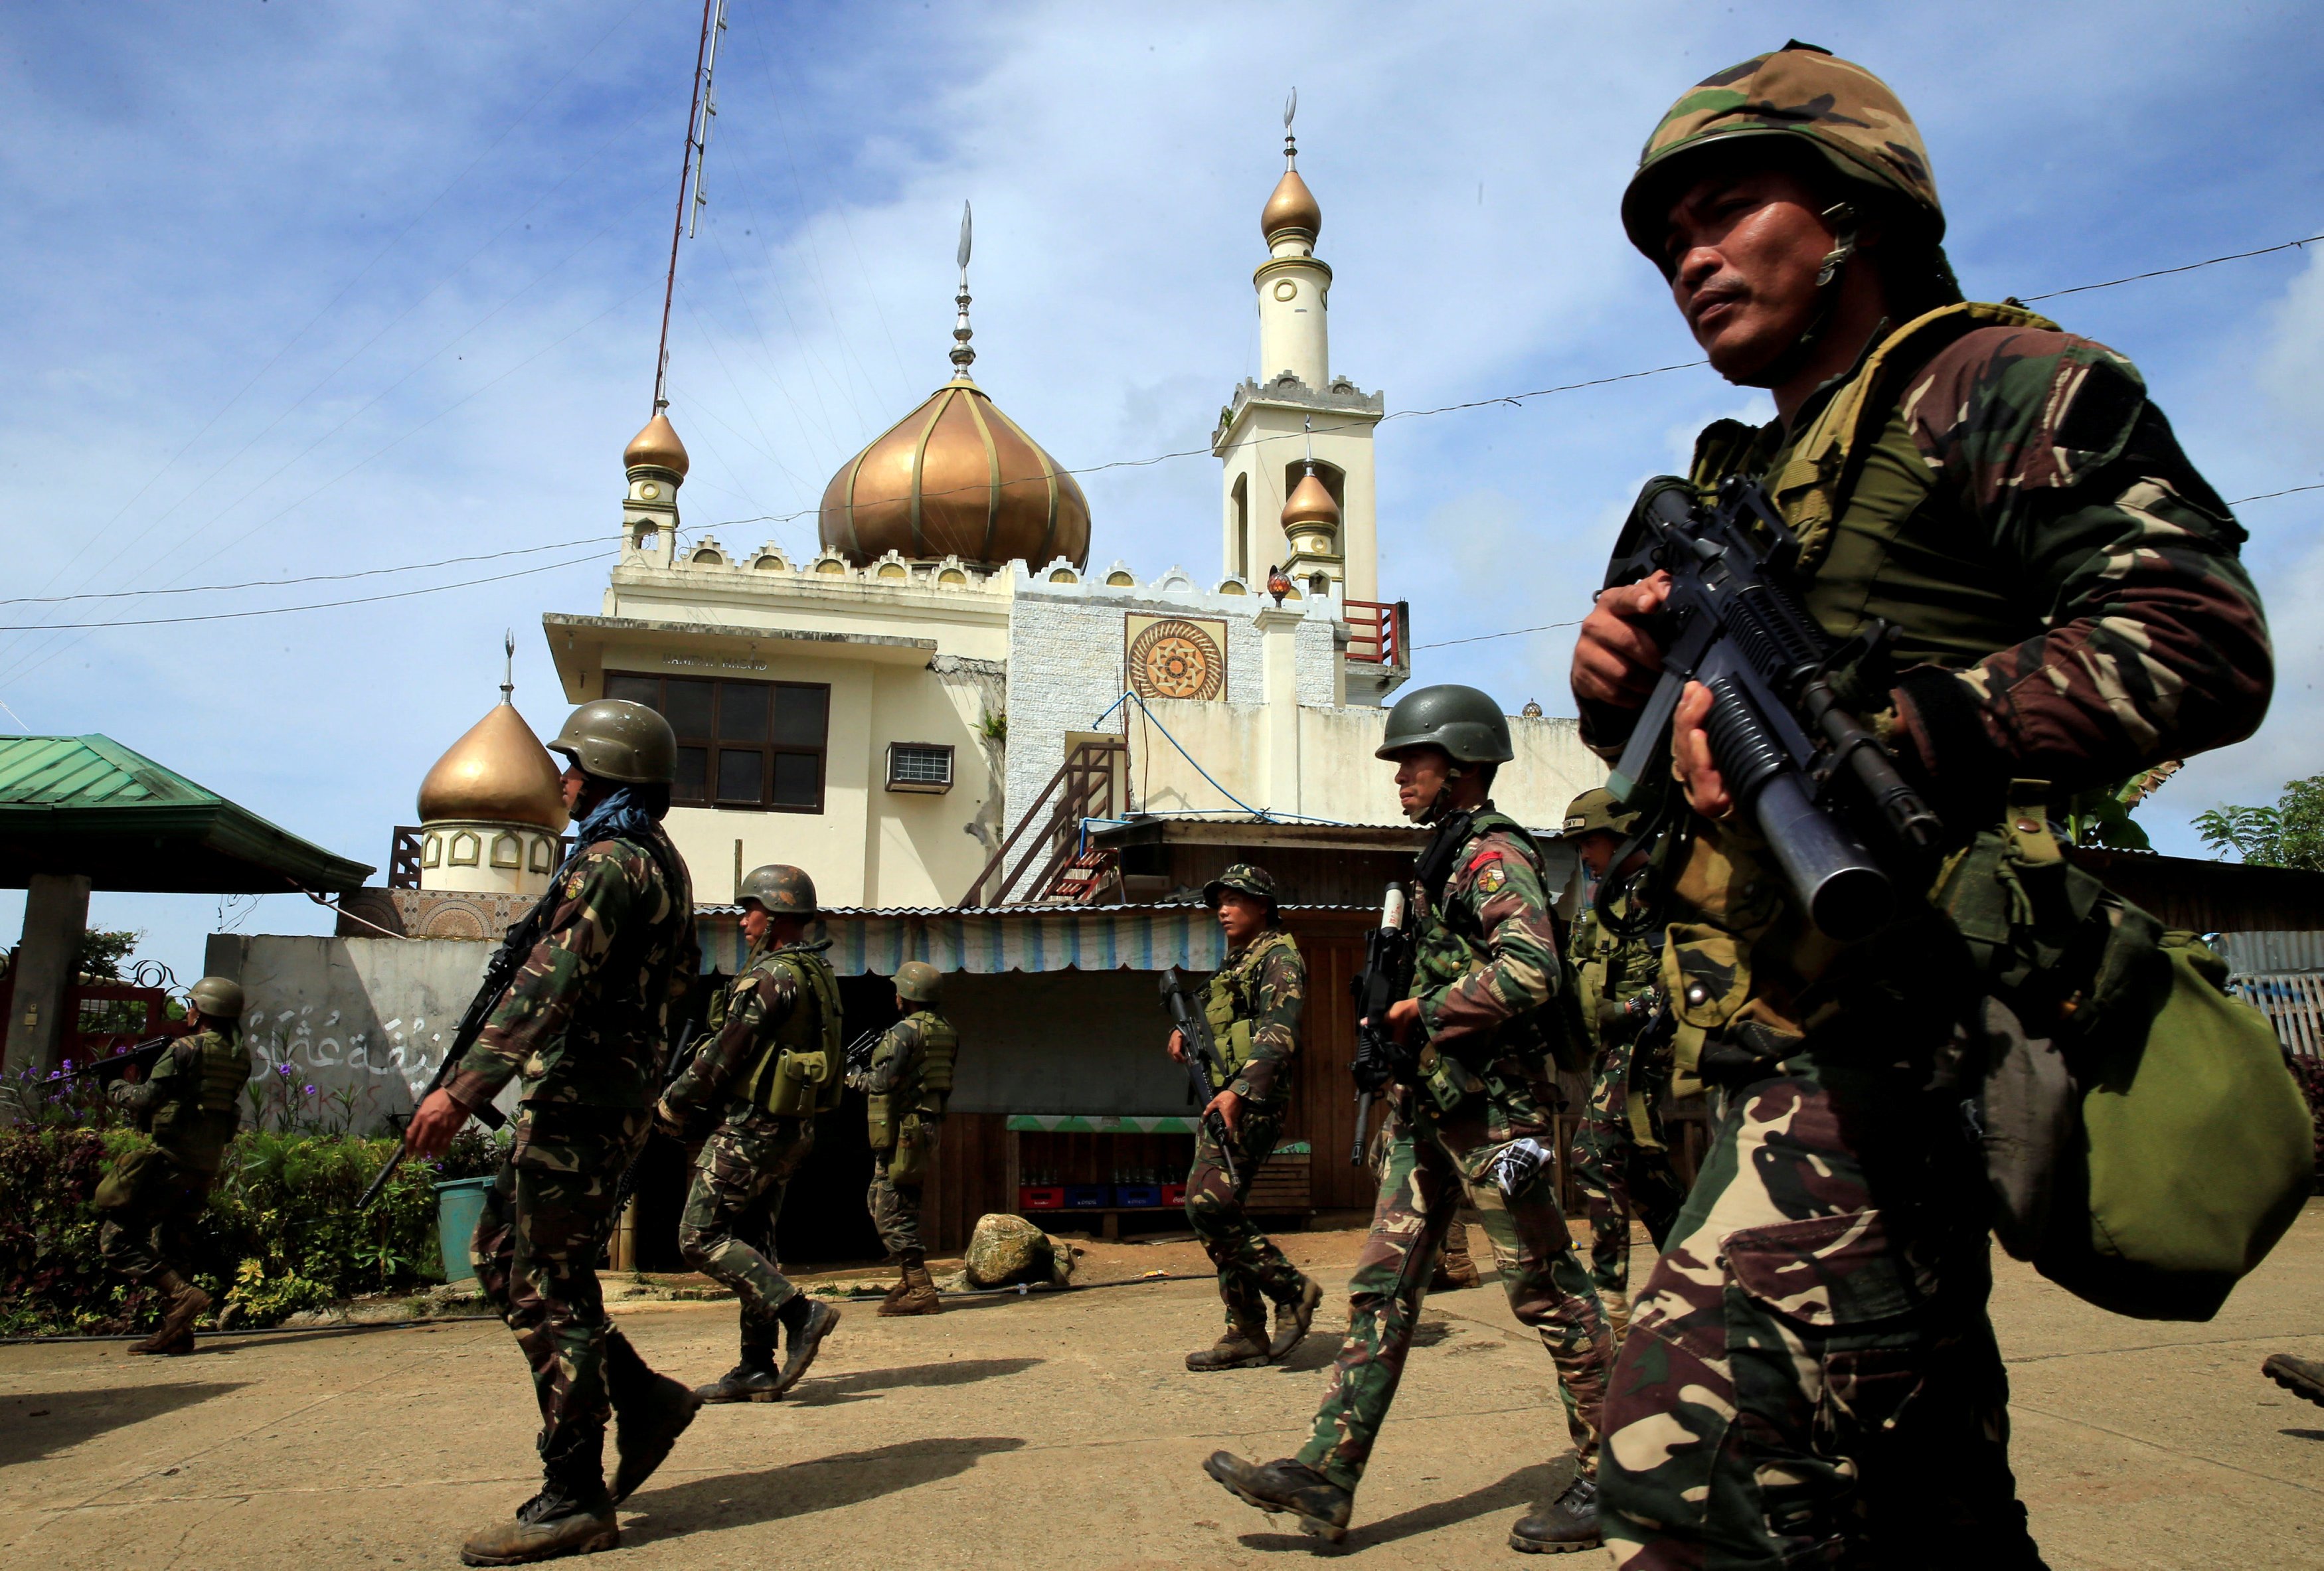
[[1063, 1431]]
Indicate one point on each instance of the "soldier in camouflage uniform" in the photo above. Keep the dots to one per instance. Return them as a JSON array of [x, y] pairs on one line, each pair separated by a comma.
[[905, 1087], [1253, 1009], [774, 1065], [582, 1026], [1811, 1376], [1621, 1159], [192, 1104], [1472, 1116]]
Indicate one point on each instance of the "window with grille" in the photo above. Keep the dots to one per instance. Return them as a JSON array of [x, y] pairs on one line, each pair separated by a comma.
[[920, 766], [749, 745]]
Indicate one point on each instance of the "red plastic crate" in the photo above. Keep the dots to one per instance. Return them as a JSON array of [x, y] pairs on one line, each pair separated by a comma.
[[1040, 1198], [1174, 1196]]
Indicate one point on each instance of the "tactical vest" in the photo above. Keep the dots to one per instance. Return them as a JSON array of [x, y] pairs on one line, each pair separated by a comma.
[[200, 1104], [920, 1091], [1232, 1007], [797, 1074], [1852, 483]]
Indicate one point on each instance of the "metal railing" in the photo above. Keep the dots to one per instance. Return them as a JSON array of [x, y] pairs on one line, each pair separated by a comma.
[[2293, 1002], [403, 858], [1083, 788], [1379, 632]]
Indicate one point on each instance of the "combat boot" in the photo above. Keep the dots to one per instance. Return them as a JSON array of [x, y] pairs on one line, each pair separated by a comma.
[[805, 1328], [2302, 1377], [1242, 1347], [753, 1378], [1322, 1506], [651, 1411], [1568, 1522], [553, 1523], [175, 1334], [919, 1294], [1293, 1316], [903, 1285]]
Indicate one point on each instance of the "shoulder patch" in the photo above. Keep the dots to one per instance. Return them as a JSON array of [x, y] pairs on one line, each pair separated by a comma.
[[1492, 878]]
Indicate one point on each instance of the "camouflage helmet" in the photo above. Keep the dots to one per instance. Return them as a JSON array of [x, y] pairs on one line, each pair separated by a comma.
[[918, 982], [217, 997], [1596, 811], [617, 740], [1244, 878], [1465, 723], [778, 890], [1809, 97]]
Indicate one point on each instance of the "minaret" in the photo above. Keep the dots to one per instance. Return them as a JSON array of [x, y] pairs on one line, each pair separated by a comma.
[[492, 809], [1297, 443], [656, 463]]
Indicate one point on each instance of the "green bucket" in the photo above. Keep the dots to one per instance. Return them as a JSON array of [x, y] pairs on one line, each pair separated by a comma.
[[459, 1205]]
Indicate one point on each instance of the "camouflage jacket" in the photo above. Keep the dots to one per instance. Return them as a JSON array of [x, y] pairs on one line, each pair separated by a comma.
[[765, 995], [2066, 586], [1263, 984], [584, 1021], [1610, 972], [1486, 954], [192, 1099], [912, 1064]]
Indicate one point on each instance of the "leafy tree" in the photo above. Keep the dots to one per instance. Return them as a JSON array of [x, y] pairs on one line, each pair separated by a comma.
[[2101, 816], [2290, 834], [102, 953]]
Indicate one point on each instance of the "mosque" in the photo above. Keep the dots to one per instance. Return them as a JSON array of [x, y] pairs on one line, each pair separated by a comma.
[[995, 756]]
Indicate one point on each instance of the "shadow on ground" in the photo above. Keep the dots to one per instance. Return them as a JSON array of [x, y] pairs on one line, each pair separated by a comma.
[[1518, 1490], [40, 1424], [859, 1384], [736, 1500]]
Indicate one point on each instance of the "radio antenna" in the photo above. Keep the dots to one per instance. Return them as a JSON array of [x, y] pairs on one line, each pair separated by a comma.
[[698, 115]]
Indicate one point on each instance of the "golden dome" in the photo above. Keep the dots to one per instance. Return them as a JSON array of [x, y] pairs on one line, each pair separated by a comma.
[[498, 773], [957, 477], [1310, 503], [1292, 207], [655, 447]]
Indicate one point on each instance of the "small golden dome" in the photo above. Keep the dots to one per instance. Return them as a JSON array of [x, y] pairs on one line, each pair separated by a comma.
[[1310, 503], [655, 447], [498, 773], [1292, 207], [957, 477]]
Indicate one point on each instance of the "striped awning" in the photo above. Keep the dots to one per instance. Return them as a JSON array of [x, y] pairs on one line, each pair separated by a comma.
[[987, 942]]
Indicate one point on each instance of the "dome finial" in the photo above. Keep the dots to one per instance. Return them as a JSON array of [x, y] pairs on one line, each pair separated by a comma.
[[1290, 144], [963, 357], [1292, 207], [508, 670]]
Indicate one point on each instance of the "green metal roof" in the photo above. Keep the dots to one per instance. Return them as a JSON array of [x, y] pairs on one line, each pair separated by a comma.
[[89, 805]]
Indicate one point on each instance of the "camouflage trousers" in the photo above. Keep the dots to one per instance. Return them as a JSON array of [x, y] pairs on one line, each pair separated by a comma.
[[1620, 1175], [895, 1209], [546, 1220], [1252, 1269], [1809, 1377], [1432, 1162], [145, 1234], [737, 1195]]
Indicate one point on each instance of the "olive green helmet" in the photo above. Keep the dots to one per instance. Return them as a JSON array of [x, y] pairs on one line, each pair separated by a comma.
[[1464, 722], [1243, 878], [918, 982], [1807, 97], [617, 740], [1596, 811], [778, 889], [217, 997]]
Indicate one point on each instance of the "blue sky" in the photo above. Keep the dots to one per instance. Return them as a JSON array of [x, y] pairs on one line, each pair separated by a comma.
[[308, 289]]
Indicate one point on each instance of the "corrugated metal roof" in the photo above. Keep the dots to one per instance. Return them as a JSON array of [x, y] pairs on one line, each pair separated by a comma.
[[87, 772], [2264, 952]]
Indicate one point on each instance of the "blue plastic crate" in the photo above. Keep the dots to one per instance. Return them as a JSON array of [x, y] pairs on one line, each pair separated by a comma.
[[1138, 1196], [1088, 1196]]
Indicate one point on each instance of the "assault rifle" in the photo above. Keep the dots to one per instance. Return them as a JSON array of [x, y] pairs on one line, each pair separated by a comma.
[[1203, 1065], [1809, 772], [499, 971], [1386, 978], [859, 1052], [141, 1057]]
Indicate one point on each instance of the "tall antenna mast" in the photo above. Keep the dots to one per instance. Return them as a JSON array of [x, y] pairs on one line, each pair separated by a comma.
[[689, 175]]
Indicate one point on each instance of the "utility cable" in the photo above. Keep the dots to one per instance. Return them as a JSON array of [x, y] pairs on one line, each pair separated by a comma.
[[310, 578]]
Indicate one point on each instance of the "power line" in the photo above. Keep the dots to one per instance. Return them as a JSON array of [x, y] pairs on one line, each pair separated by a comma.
[[2269, 495], [319, 604], [1482, 637], [561, 545], [2186, 267]]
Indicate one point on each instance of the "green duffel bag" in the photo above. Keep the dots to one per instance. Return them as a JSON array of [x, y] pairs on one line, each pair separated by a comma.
[[2196, 1149], [2146, 1143]]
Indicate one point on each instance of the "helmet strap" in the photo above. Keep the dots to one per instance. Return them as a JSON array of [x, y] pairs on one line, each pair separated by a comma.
[[1843, 219]]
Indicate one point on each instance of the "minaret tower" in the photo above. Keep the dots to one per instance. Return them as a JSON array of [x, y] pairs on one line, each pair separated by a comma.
[[656, 463], [1297, 443]]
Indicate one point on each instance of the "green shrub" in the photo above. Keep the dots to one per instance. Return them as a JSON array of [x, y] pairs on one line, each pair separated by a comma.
[[281, 1232]]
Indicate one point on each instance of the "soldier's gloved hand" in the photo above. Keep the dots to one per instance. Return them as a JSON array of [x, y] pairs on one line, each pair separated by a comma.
[[668, 1119]]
